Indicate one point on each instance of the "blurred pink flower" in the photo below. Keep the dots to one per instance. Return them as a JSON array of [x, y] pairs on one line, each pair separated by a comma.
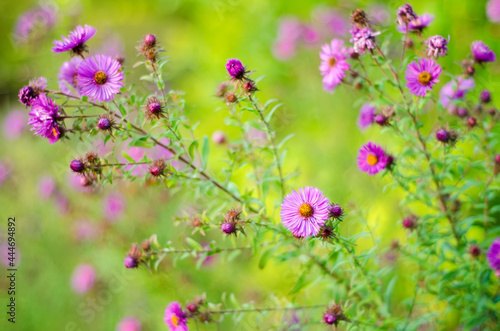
[[129, 323], [14, 124], [493, 11], [85, 230], [83, 278], [78, 183], [4, 172], [46, 186], [114, 206], [335, 23]]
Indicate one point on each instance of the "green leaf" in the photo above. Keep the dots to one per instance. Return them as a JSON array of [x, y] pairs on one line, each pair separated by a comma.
[[271, 113], [193, 243], [128, 157], [388, 292], [265, 257], [205, 150], [300, 284], [192, 147]]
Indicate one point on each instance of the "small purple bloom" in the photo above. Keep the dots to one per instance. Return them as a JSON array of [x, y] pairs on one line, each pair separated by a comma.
[[83, 278], [34, 23], [14, 124], [28, 94], [329, 318], [305, 211], [235, 69], [363, 39], [405, 14], [114, 206], [482, 53], [130, 262], [43, 118], [366, 114], [228, 228], [493, 255], [421, 76], [335, 211], [333, 64], [455, 90], [129, 323], [77, 166], [417, 24], [372, 158], [175, 317], [485, 96], [47, 187], [437, 46], [442, 135], [76, 40], [493, 11], [68, 76], [104, 123], [100, 77]]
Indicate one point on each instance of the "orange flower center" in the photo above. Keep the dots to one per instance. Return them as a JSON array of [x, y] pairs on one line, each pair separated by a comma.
[[332, 61], [424, 78], [100, 78], [54, 131], [175, 320], [306, 210], [372, 159]]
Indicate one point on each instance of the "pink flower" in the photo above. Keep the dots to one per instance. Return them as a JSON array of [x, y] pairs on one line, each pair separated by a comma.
[[333, 64], [83, 278], [421, 76], [114, 206]]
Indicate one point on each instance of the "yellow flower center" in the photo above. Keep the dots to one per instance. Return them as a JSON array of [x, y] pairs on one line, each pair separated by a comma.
[[54, 131], [424, 78], [372, 159], [100, 77], [332, 61], [306, 210], [175, 320]]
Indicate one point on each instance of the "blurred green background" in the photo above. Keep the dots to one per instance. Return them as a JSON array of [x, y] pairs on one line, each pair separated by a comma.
[[199, 36]]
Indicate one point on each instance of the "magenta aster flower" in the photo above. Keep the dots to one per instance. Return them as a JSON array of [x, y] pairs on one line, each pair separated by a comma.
[[43, 118], [405, 14], [235, 69], [372, 158], [455, 90], [418, 24], [363, 39], [333, 64], [76, 40], [366, 116], [68, 74], [175, 317], [437, 46], [129, 323], [83, 278], [304, 212], [100, 77], [493, 255], [482, 53], [421, 76], [14, 124], [493, 11]]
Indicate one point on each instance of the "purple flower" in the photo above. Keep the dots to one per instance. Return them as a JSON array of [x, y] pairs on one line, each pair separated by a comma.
[[417, 24], [129, 323], [405, 14], [493, 11], [304, 212], [68, 76], [228, 228], [175, 317], [335, 211], [100, 77], [334, 21], [235, 69], [83, 278], [114, 206], [289, 32], [130, 262], [47, 187], [76, 40], [34, 23], [104, 123], [366, 114], [363, 39], [333, 64], [485, 96], [421, 76], [493, 255], [455, 90], [28, 94], [14, 124], [372, 158], [43, 118], [329, 318], [482, 53], [437, 46]]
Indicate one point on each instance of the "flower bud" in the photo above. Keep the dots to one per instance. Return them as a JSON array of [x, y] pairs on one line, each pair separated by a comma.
[[410, 222], [230, 97], [380, 119], [150, 40], [462, 112], [235, 69], [104, 123], [219, 137], [130, 262], [228, 228], [77, 165], [485, 96], [474, 250], [471, 122], [335, 211]]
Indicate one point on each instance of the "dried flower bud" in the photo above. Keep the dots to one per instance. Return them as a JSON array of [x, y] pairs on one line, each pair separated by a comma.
[[474, 250], [230, 97], [358, 18], [410, 222], [471, 122]]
